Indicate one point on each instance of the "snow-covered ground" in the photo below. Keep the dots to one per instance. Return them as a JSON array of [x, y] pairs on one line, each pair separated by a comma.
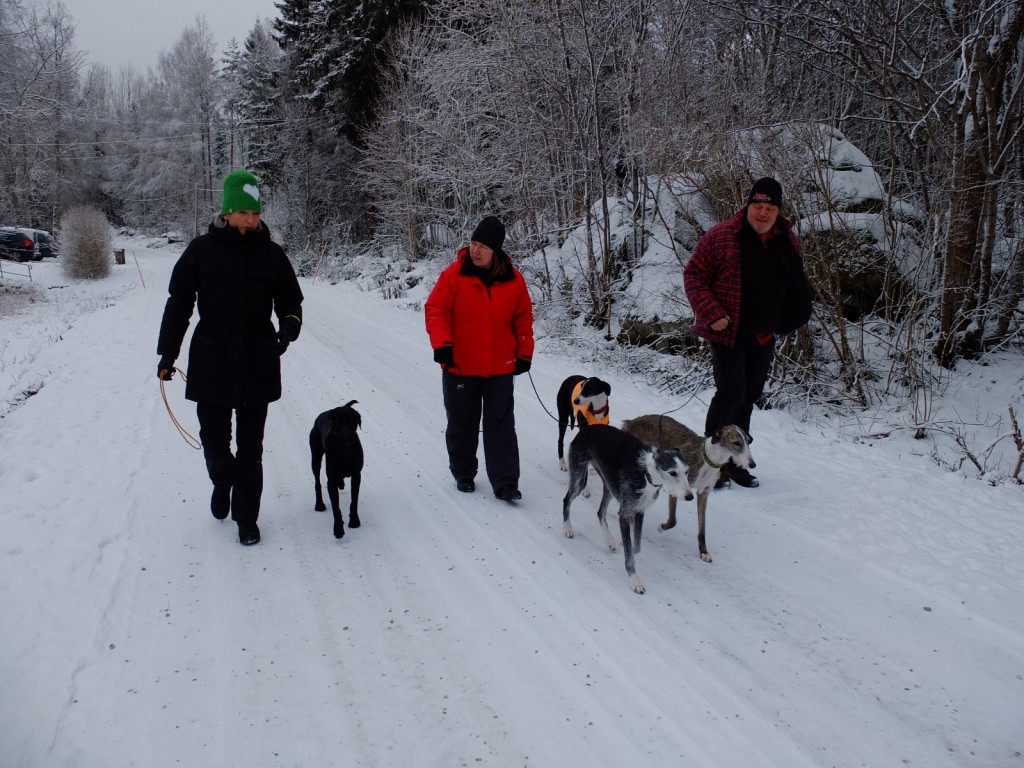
[[864, 607]]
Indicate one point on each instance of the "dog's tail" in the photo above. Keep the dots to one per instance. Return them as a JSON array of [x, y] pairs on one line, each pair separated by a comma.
[[350, 403]]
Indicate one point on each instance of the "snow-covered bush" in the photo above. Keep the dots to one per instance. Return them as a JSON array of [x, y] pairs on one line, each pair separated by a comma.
[[85, 243]]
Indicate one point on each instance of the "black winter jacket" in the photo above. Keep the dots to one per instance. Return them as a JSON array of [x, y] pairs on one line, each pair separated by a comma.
[[237, 281]]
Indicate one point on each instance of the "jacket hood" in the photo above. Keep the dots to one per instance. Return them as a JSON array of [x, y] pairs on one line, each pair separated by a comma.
[[469, 269], [223, 232]]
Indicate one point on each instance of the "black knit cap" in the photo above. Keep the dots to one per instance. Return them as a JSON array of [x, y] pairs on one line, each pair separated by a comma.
[[766, 190], [490, 232]]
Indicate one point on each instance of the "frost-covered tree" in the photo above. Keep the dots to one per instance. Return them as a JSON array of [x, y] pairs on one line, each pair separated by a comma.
[[38, 77], [253, 103], [171, 158], [337, 51], [934, 88], [188, 77]]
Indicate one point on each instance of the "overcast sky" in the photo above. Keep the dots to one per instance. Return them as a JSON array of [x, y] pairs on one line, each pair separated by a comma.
[[116, 32]]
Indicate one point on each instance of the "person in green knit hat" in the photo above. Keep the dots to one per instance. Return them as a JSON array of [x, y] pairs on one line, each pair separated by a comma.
[[238, 279]]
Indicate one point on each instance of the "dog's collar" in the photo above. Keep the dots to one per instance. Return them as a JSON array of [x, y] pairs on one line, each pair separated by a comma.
[[707, 459], [599, 412], [650, 479]]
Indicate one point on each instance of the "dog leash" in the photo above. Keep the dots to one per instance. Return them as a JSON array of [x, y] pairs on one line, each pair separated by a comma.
[[539, 400], [192, 442], [661, 416], [555, 418]]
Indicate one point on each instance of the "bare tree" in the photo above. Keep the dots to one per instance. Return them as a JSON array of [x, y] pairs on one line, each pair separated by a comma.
[[936, 89], [37, 82], [173, 153]]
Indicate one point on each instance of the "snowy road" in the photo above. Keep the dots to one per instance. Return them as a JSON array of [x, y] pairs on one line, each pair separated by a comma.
[[863, 608]]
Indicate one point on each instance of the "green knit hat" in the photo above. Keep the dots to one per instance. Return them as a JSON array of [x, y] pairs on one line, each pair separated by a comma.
[[241, 193]]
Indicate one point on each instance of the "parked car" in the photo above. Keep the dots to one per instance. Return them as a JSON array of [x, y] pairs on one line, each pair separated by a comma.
[[17, 245], [46, 244]]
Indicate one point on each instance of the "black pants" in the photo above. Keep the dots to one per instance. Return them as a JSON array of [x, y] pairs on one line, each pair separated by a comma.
[[466, 399], [740, 373], [243, 469]]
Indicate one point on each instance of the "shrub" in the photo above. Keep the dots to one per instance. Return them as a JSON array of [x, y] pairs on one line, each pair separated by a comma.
[[85, 243]]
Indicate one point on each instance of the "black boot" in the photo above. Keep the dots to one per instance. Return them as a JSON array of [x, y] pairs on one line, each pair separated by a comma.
[[248, 534], [220, 501], [508, 493], [740, 475], [245, 500], [221, 472]]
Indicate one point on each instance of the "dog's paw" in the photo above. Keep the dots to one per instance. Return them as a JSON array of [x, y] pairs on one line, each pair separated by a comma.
[[561, 466], [634, 582], [320, 507], [567, 531], [353, 521], [705, 557], [339, 530], [585, 494]]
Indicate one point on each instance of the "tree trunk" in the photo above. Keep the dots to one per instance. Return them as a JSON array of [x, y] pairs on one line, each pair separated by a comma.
[[957, 336]]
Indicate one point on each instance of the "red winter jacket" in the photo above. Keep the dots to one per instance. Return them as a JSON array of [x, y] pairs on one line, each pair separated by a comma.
[[487, 327], [711, 278]]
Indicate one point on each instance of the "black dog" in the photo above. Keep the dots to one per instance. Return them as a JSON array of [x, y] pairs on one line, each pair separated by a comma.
[[334, 435], [581, 400]]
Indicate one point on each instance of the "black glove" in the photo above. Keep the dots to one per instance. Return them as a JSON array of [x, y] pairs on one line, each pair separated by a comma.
[[445, 356], [281, 341], [293, 325], [522, 366], [165, 369]]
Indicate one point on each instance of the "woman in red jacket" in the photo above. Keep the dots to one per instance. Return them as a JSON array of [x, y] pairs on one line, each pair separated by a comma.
[[480, 321]]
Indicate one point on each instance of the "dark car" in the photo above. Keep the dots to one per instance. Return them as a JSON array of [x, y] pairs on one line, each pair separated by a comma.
[[16, 245], [46, 244]]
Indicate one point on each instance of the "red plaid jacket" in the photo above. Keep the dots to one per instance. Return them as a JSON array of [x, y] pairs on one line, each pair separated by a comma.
[[711, 277]]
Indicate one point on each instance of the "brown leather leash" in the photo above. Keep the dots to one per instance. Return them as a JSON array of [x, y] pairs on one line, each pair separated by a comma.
[[188, 438]]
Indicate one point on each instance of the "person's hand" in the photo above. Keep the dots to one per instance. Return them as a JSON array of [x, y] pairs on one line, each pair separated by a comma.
[[720, 324], [522, 366], [445, 356], [281, 341], [165, 369]]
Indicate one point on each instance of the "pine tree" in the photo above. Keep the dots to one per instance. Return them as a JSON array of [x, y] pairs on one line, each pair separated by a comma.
[[337, 50], [254, 102]]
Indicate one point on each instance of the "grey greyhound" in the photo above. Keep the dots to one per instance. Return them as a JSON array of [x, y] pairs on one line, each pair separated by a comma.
[[705, 456]]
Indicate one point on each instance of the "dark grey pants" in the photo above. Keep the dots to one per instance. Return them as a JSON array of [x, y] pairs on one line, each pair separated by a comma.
[[740, 373], [243, 469], [467, 399]]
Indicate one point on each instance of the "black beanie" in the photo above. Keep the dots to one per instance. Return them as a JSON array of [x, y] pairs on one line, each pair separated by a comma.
[[490, 232], [766, 190]]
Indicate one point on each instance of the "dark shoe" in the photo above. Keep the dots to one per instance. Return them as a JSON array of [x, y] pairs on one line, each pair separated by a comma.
[[466, 486], [220, 501], [508, 493], [740, 476], [722, 481], [248, 535]]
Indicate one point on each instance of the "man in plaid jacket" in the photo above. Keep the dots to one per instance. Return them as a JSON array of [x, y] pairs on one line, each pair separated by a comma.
[[746, 285]]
